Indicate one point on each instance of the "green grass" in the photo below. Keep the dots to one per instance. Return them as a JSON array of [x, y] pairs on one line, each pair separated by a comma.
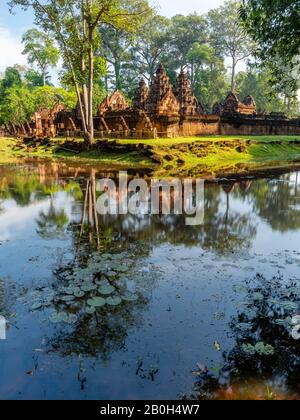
[[180, 140], [213, 155]]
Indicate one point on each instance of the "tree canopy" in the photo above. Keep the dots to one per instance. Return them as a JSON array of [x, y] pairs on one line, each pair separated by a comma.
[[73, 24], [40, 51], [110, 44], [275, 27]]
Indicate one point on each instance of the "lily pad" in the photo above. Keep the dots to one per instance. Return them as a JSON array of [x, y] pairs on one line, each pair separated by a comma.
[[128, 297], [70, 290], [88, 287], [67, 298], [106, 289], [36, 306], [111, 273], [54, 318], [79, 294], [90, 310], [114, 301], [287, 322], [121, 268], [72, 318], [63, 316], [96, 302], [261, 349]]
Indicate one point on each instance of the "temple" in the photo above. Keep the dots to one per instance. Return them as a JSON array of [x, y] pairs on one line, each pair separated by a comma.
[[233, 105], [160, 110]]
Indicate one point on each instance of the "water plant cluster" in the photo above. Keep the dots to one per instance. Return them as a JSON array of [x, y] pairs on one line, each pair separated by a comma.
[[84, 289], [264, 345]]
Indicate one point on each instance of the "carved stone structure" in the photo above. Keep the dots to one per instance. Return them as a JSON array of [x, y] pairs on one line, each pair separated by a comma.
[[160, 111], [218, 109], [161, 99], [189, 105], [116, 102], [141, 96], [233, 105], [44, 123]]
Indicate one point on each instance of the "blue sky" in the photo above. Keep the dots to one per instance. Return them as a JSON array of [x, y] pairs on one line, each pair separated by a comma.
[[13, 26]]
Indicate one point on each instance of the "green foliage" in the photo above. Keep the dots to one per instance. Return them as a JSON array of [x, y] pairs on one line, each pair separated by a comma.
[[228, 36], [74, 25], [258, 84], [19, 99], [150, 46], [17, 106], [34, 79], [111, 44], [11, 78], [40, 51], [48, 96], [274, 26], [185, 32]]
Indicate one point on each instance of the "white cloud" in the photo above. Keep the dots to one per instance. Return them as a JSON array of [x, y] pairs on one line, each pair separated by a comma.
[[10, 49]]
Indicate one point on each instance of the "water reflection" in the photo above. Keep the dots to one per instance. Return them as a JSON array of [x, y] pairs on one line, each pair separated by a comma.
[[101, 288], [276, 202], [265, 351]]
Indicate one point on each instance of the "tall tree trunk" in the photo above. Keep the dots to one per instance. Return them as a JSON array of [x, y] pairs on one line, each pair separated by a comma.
[[91, 88], [117, 68], [192, 76], [233, 85], [87, 86]]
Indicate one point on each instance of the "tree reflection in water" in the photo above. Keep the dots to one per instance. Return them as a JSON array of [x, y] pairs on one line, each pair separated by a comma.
[[265, 355], [101, 243]]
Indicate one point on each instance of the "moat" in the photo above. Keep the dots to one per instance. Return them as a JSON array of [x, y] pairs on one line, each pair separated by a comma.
[[203, 311]]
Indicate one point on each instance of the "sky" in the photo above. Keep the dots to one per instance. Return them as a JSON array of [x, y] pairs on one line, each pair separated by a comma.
[[13, 26]]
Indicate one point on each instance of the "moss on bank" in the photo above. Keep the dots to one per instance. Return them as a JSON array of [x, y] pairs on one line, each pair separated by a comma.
[[216, 155]]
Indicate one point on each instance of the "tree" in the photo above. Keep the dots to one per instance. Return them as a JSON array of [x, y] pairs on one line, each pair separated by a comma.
[[198, 56], [211, 83], [12, 77], [74, 24], [114, 47], [33, 79], [256, 82], [40, 50], [150, 46], [186, 34], [275, 27], [22, 93], [17, 107], [48, 96], [229, 37]]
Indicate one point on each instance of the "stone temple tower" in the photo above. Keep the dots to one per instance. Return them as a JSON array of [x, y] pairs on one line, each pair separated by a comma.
[[161, 99], [189, 104], [141, 96]]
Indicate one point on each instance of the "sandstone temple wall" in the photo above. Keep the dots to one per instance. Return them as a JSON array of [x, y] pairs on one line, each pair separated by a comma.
[[160, 110], [260, 127], [205, 126]]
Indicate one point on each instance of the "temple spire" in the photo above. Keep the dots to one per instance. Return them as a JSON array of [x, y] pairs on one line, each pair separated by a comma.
[[141, 95], [189, 104]]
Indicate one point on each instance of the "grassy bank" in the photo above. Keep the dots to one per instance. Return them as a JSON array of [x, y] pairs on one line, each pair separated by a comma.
[[189, 155]]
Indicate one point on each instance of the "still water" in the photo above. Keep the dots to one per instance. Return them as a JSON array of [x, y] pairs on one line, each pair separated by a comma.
[[148, 308]]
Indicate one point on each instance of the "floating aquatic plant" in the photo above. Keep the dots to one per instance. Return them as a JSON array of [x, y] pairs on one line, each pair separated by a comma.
[[106, 289], [96, 302], [260, 348], [114, 301]]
